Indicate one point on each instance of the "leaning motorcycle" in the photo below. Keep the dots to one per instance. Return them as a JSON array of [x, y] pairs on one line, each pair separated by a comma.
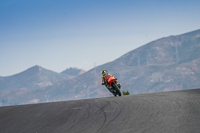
[[115, 89]]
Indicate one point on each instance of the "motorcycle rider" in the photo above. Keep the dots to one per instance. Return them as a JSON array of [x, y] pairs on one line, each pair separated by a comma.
[[105, 77]]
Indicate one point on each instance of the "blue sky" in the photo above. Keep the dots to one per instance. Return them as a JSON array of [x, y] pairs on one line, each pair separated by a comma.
[[58, 34]]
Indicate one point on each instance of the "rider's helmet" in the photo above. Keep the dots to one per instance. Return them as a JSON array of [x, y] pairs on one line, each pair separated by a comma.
[[104, 71]]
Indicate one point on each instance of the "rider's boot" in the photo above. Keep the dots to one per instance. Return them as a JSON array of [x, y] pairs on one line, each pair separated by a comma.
[[119, 86]]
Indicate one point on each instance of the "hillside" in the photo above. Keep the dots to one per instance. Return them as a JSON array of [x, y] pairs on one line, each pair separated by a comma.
[[165, 112], [167, 64]]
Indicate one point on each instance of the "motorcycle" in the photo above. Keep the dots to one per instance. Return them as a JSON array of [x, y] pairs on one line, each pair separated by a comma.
[[115, 89]]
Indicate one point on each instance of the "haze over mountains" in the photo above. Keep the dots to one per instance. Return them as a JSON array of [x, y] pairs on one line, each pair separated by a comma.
[[167, 64]]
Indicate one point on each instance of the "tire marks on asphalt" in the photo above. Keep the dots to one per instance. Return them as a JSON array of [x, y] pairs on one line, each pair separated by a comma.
[[174, 112]]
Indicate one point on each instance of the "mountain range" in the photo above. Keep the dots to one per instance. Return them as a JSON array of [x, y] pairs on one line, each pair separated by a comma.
[[167, 64], [31, 81]]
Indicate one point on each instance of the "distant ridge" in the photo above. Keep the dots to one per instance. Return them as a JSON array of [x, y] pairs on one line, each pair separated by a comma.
[[73, 71], [26, 86]]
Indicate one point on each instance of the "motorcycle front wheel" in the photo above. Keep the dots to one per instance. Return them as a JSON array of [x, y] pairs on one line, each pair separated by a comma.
[[117, 89]]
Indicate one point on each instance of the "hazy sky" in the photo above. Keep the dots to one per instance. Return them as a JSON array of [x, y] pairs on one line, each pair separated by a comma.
[[58, 34]]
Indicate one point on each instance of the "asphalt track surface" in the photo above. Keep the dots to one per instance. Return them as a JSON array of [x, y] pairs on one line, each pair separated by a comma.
[[168, 112]]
